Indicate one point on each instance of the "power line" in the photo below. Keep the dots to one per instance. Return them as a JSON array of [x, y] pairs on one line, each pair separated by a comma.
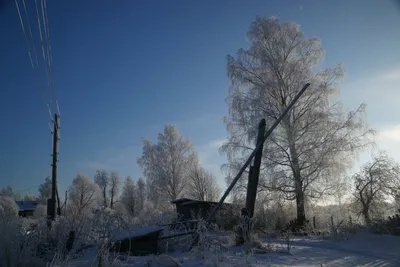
[[52, 105], [42, 47], [23, 30], [29, 52], [32, 55], [50, 57], [41, 42], [24, 190]]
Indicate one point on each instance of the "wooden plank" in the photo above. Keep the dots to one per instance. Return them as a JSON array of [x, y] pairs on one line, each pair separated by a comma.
[[182, 222], [176, 235]]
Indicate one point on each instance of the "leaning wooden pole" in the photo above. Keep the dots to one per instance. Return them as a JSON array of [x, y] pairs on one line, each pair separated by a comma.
[[246, 164]]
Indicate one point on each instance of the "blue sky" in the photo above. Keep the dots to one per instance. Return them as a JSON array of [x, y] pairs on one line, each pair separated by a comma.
[[124, 69]]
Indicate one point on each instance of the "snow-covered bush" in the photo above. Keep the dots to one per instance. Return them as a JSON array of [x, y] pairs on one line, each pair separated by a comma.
[[246, 232], [8, 207], [227, 217], [391, 225], [40, 212], [156, 217], [212, 246], [17, 246]]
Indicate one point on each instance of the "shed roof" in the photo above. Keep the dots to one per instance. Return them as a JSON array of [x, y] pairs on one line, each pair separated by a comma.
[[188, 201], [135, 233], [27, 205], [181, 200]]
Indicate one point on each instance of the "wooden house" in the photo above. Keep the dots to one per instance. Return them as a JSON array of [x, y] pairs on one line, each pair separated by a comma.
[[26, 208]]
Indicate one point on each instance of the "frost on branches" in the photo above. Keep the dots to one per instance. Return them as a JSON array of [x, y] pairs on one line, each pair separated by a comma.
[[377, 181], [8, 207], [315, 142], [172, 169]]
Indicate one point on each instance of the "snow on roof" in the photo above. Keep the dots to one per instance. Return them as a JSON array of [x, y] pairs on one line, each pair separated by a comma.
[[201, 201], [27, 205], [134, 233], [180, 200], [188, 201]]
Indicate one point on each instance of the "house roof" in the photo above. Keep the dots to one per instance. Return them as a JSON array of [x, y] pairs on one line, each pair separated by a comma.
[[181, 200], [27, 205], [188, 201]]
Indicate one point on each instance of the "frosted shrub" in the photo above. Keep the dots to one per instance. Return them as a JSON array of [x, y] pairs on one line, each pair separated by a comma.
[[8, 207], [40, 212], [227, 218], [157, 217], [17, 248]]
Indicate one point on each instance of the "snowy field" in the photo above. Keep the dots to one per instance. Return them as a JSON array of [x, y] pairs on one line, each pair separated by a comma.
[[363, 249]]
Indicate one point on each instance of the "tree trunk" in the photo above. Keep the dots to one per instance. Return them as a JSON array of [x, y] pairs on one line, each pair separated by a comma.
[[367, 218], [105, 197], [112, 200], [298, 183], [301, 214]]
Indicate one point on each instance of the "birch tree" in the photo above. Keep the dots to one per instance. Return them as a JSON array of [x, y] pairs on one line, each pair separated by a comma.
[[141, 194], [375, 183], [203, 185], [7, 191], [115, 183], [129, 196], [45, 190], [102, 180], [82, 193], [317, 139], [166, 164]]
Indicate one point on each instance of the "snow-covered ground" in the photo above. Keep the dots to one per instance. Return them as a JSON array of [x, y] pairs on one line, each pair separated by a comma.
[[363, 249]]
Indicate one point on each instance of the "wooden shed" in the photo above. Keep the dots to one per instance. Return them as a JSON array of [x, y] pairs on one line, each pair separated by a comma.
[[188, 209], [137, 242], [26, 208]]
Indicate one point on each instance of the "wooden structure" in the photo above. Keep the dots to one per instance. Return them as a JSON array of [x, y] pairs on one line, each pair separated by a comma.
[[189, 209], [260, 141], [26, 208], [137, 242]]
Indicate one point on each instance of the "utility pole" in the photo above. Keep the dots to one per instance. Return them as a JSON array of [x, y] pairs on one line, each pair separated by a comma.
[[255, 172], [249, 159], [51, 203]]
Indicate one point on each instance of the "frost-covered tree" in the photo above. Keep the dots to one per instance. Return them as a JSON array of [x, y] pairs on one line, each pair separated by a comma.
[[7, 191], [45, 190], [317, 139], [166, 164], [153, 198], [101, 178], [397, 199], [115, 183], [374, 184], [141, 194], [203, 185], [82, 193], [8, 207], [30, 197], [129, 196]]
